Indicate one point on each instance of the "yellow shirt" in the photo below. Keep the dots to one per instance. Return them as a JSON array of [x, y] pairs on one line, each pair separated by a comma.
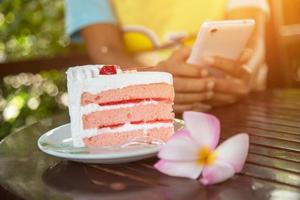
[[152, 28]]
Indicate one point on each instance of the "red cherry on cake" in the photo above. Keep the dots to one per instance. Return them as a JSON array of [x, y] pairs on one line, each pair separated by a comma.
[[108, 69]]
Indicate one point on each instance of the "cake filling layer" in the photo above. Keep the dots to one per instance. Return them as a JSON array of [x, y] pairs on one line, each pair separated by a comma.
[[138, 122], [94, 107], [136, 114], [119, 138], [129, 94], [125, 128]]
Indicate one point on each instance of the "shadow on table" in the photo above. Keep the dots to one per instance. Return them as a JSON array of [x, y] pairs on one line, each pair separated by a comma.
[[129, 181]]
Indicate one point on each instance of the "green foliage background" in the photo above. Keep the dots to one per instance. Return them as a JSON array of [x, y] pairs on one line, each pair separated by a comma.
[[28, 29], [31, 28]]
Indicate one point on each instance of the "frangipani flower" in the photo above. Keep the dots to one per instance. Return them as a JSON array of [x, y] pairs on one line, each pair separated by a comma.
[[193, 151]]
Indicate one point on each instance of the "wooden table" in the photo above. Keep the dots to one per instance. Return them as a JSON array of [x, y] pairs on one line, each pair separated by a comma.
[[272, 170]]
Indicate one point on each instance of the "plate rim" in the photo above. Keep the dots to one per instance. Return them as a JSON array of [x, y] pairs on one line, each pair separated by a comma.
[[96, 156]]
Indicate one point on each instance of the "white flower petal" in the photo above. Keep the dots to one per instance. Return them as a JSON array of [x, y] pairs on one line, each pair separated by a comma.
[[234, 151], [204, 128], [180, 169], [180, 147], [216, 173]]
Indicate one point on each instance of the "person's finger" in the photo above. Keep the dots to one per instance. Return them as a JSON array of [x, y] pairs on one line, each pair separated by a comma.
[[246, 55], [180, 108], [143, 69], [182, 69], [221, 99], [201, 107], [187, 98], [228, 66], [231, 86], [181, 54], [188, 70], [193, 84]]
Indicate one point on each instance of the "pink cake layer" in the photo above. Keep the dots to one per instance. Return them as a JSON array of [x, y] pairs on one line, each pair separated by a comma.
[[119, 138], [159, 111], [158, 91]]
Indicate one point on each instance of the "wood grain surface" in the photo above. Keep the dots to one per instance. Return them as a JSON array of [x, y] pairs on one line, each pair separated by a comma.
[[272, 169]]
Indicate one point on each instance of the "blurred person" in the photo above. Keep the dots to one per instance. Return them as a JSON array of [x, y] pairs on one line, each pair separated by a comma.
[[160, 33]]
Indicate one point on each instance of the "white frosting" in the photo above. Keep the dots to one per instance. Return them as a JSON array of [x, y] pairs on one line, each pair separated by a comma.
[[90, 81], [84, 72], [126, 127], [95, 107], [87, 79]]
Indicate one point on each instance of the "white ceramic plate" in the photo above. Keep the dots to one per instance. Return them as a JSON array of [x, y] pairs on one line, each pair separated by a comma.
[[58, 142]]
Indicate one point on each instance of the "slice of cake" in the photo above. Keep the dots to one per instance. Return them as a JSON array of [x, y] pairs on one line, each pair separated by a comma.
[[110, 107]]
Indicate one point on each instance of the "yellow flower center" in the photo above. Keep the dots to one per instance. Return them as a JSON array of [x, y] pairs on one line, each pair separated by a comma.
[[206, 157]]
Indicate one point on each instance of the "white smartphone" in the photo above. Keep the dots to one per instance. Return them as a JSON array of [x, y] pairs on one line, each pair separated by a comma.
[[226, 39]]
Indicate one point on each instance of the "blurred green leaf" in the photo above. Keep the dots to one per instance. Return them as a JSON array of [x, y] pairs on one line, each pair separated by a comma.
[[31, 29], [17, 91]]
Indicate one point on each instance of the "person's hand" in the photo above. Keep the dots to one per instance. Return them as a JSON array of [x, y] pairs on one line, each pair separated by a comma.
[[192, 86], [236, 84]]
